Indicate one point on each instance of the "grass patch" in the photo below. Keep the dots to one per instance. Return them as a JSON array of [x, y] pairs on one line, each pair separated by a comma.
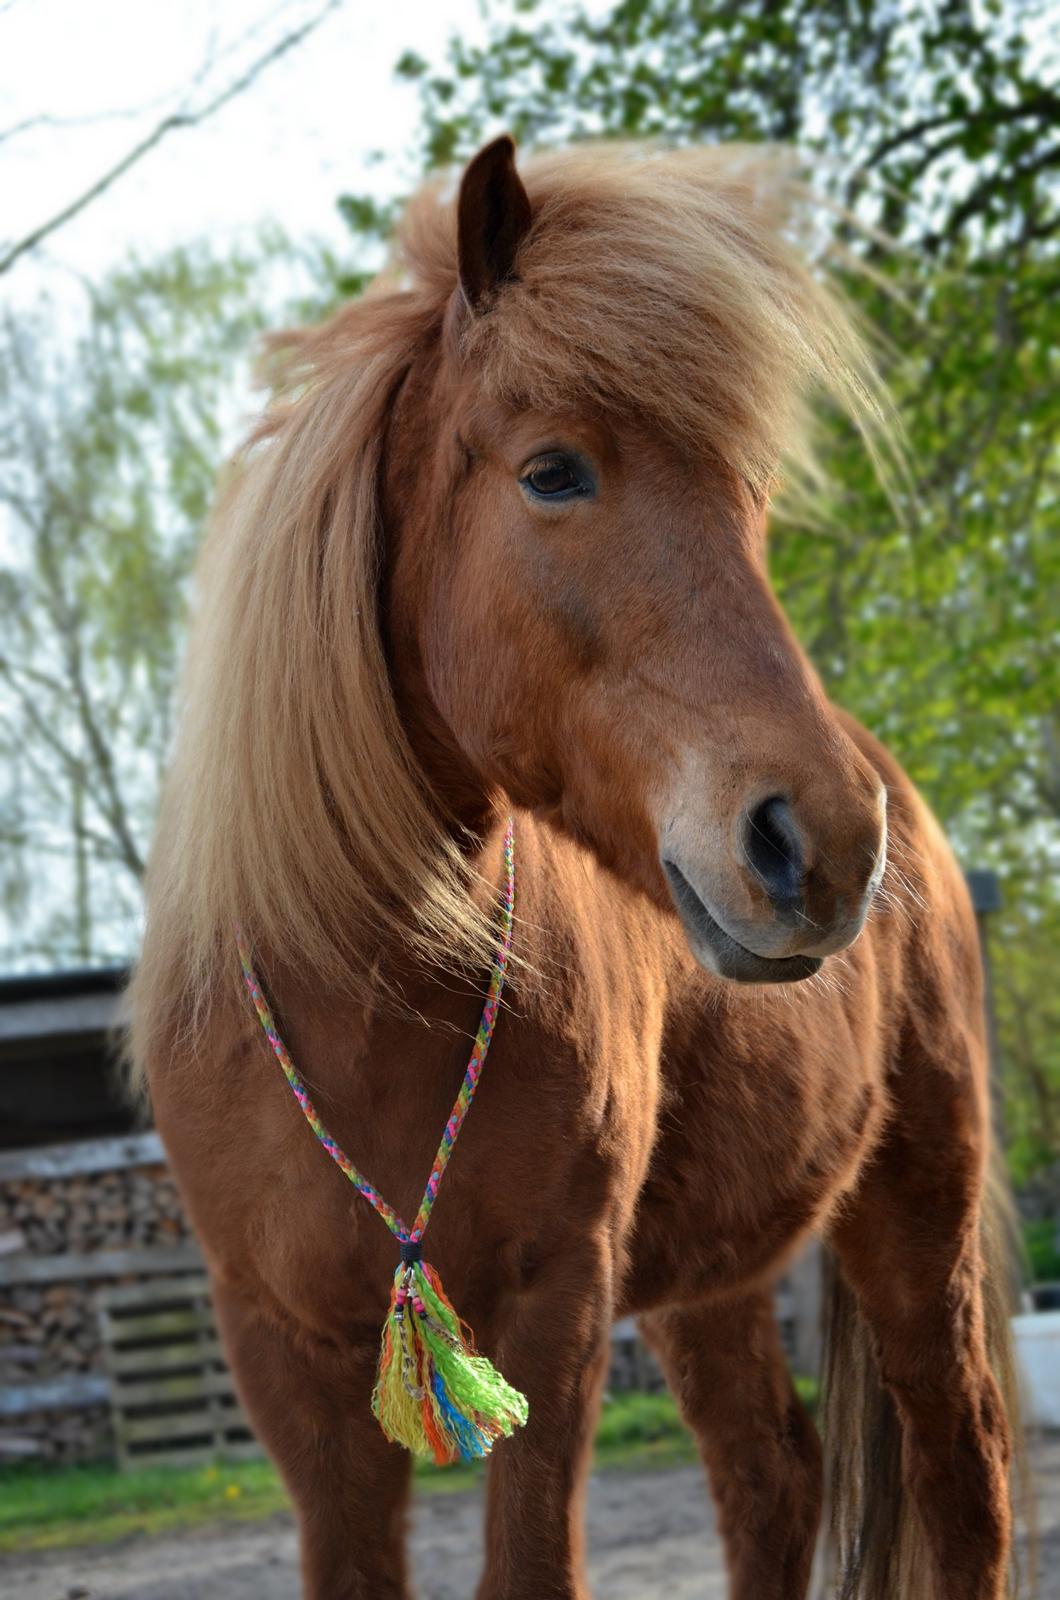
[[638, 1430], [49, 1507], [45, 1508]]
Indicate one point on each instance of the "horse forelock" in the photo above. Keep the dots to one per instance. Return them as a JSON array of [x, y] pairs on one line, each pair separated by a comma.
[[680, 287]]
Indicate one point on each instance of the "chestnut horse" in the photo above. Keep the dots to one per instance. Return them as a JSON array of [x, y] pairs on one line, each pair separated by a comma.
[[498, 549]]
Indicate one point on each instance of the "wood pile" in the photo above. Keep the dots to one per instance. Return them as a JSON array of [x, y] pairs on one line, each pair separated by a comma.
[[64, 1238], [47, 1329], [52, 1328], [91, 1211], [78, 1433]]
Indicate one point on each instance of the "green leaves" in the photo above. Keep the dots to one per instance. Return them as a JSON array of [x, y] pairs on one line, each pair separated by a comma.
[[111, 434]]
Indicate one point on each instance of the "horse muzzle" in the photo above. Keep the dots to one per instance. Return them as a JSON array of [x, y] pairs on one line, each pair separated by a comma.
[[773, 906]]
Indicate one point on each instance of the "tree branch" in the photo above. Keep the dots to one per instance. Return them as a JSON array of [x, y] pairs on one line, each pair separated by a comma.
[[980, 196], [1044, 105], [168, 125]]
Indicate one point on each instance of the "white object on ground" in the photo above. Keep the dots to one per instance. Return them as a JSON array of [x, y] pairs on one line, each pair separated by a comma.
[[1037, 1335]]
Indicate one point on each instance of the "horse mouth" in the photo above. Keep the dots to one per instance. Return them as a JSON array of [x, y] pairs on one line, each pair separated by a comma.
[[719, 952]]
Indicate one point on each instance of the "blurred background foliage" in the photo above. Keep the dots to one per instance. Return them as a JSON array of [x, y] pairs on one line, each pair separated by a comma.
[[934, 129]]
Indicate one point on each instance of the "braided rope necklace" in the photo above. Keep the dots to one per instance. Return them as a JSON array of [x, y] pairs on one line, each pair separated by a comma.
[[434, 1393]]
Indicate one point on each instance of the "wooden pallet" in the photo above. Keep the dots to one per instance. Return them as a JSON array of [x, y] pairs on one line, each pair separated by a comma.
[[172, 1399]]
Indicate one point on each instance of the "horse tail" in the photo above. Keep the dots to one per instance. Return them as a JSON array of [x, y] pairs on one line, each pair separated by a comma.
[[867, 1511], [876, 1547]]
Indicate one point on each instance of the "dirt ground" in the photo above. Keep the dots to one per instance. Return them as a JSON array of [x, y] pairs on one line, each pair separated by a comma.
[[650, 1534]]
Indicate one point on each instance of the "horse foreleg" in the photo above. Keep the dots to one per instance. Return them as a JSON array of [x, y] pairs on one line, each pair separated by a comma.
[[726, 1369], [309, 1401], [908, 1244], [554, 1346]]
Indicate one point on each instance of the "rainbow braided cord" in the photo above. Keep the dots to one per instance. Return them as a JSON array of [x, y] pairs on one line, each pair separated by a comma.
[[480, 1048], [434, 1393], [301, 1094]]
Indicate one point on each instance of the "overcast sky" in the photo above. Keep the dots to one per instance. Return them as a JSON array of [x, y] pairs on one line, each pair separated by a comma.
[[305, 132]]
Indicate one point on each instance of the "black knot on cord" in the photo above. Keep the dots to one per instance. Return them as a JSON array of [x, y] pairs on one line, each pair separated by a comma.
[[411, 1251]]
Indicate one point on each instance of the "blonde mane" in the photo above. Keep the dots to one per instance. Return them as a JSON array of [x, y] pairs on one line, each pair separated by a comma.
[[659, 285]]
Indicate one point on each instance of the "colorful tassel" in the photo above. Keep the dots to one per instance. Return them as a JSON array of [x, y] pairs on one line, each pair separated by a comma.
[[434, 1394]]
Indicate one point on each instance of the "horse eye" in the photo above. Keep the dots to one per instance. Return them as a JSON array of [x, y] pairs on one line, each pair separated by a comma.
[[555, 478]]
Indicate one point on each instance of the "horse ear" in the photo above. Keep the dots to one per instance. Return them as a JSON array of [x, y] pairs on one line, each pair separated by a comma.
[[493, 214]]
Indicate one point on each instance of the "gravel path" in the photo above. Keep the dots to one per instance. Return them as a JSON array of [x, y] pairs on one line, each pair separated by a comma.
[[650, 1534]]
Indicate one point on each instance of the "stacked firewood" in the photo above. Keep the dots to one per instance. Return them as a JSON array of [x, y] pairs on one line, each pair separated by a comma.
[[49, 1328], [50, 1331], [81, 1433], [91, 1211]]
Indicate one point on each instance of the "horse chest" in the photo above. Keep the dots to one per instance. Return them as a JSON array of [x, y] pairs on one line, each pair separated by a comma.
[[753, 1148], [555, 1146]]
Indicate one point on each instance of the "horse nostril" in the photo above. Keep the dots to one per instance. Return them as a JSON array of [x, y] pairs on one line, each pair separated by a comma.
[[771, 845]]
